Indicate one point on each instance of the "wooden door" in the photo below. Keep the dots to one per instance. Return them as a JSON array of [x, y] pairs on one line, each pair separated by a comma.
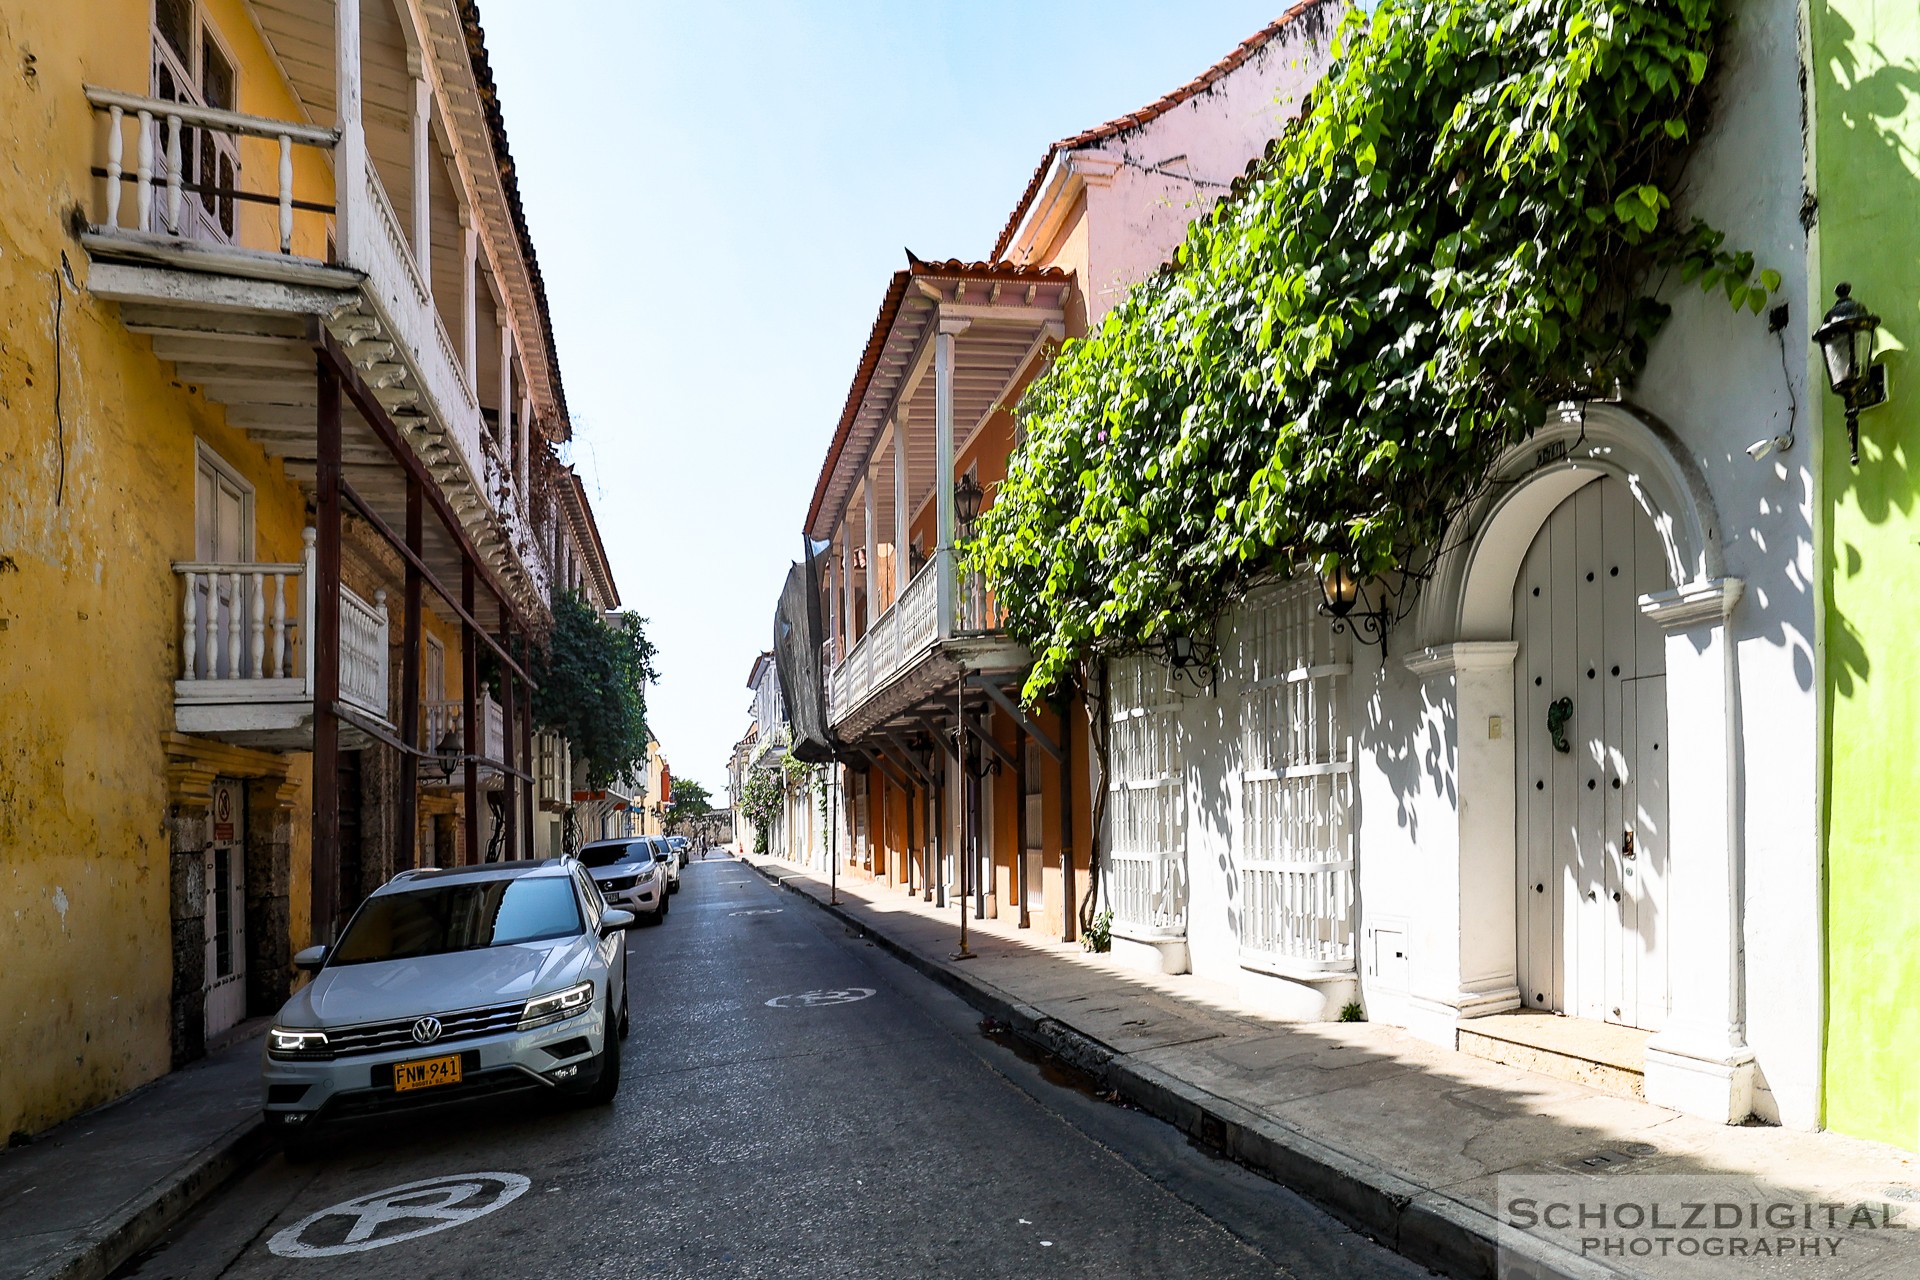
[[1590, 803], [223, 534], [226, 909]]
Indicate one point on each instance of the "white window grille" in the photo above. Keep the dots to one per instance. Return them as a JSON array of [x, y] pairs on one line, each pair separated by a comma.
[[1146, 804], [1296, 784]]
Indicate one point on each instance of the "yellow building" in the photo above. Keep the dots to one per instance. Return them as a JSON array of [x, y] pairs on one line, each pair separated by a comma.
[[277, 399]]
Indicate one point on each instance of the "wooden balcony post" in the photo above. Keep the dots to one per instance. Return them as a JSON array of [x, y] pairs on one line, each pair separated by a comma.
[[470, 711], [526, 751], [1020, 825], [470, 300], [902, 518], [847, 630], [873, 544], [323, 640], [503, 424], [350, 154], [422, 173], [943, 476], [509, 756], [410, 684]]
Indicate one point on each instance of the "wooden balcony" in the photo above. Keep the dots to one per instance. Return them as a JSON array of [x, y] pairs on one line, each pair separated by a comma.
[[907, 656], [238, 282], [246, 667]]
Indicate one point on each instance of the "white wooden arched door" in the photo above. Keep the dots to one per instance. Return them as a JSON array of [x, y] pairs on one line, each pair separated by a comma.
[[1590, 764]]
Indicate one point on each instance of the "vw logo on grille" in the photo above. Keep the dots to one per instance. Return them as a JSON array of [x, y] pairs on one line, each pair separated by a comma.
[[427, 1030]]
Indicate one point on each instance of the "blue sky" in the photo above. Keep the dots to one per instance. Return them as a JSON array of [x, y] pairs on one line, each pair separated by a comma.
[[718, 193]]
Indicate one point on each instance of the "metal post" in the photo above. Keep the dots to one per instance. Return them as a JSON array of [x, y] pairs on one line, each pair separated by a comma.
[[325, 640], [410, 687], [833, 843], [470, 712]]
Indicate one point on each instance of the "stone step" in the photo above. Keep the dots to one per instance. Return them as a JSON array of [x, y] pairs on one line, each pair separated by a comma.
[[1597, 1054]]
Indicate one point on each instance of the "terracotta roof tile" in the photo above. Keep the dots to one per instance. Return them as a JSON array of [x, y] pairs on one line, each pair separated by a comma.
[[1153, 110]]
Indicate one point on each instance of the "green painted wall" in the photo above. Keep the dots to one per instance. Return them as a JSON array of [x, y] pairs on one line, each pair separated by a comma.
[[1866, 120]]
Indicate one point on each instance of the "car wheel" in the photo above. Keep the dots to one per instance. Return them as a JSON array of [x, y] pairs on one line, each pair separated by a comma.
[[601, 1091], [674, 887], [626, 1016], [666, 901]]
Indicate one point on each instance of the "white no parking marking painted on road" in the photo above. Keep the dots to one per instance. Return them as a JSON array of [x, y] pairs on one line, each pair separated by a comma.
[[820, 999], [436, 1203]]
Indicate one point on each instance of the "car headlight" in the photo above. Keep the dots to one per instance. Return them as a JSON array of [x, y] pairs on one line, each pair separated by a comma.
[[561, 1004], [294, 1042]]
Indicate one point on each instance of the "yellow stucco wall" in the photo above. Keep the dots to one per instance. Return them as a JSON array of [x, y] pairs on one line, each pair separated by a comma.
[[96, 500]]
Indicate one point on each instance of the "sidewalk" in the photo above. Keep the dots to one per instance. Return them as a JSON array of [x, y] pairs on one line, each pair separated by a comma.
[[92, 1192], [1406, 1141]]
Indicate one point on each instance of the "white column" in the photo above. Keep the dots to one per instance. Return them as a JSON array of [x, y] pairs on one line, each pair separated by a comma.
[[350, 154], [902, 518], [503, 429], [873, 545], [943, 476], [834, 648], [422, 189], [1699, 1062], [1464, 929], [846, 582], [470, 299]]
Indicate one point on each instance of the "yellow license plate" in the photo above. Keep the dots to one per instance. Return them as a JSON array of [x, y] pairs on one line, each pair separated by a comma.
[[426, 1073]]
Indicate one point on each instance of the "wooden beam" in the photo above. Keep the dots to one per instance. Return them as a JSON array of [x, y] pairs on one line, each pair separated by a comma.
[[325, 639], [410, 681], [1020, 717]]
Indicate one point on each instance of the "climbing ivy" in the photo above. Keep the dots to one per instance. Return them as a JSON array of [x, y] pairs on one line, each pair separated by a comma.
[[760, 798], [1472, 220], [593, 676]]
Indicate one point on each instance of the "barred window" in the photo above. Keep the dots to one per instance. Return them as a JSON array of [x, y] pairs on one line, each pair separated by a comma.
[[1146, 802], [1296, 783]]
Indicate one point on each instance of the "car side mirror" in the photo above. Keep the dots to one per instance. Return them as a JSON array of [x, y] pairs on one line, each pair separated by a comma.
[[614, 919], [309, 959]]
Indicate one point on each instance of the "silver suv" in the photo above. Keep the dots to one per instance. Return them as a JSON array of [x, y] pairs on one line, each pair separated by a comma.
[[454, 984], [628, 875]]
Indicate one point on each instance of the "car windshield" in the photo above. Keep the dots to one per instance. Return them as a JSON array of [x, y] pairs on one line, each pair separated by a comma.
[[605, 855], [437, 919]]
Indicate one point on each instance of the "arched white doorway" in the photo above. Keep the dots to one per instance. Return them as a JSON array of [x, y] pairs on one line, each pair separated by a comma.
[[1469, 637], [1590, 763]]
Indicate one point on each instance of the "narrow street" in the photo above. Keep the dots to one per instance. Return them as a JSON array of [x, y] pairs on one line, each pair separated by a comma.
[[735, 1147]]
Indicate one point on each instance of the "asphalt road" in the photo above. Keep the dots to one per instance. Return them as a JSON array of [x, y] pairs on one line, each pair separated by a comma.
[[881, 1136]]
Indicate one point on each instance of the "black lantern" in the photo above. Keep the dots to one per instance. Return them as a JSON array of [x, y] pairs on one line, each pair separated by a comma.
[[966, 501], [1342, 601], [1341, 588], [1846, 337], [447, 753]]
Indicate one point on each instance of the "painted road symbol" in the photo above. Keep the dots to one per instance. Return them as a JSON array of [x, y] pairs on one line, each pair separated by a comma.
[[405, 1212], [763, 911], [820, 999]]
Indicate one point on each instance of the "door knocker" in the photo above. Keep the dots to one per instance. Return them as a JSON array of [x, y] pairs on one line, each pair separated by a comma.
[[1557, 716]]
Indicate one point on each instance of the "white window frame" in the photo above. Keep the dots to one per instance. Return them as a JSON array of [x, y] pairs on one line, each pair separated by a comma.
[[1146, 858]]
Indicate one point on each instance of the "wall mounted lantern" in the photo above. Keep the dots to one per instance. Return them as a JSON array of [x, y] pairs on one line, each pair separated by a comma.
[[966, 502], [1846, 336], [447, 753], [1342, 601]]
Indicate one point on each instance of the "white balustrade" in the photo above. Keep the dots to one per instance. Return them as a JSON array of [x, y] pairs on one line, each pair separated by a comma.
[[175, 118], [363, 651], [245, 635], [1299, 914], [897, 639], [235, 622]]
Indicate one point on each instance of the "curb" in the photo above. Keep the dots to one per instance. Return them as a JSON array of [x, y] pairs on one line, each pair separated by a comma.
[[1422, 1225], [140, 1221]]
